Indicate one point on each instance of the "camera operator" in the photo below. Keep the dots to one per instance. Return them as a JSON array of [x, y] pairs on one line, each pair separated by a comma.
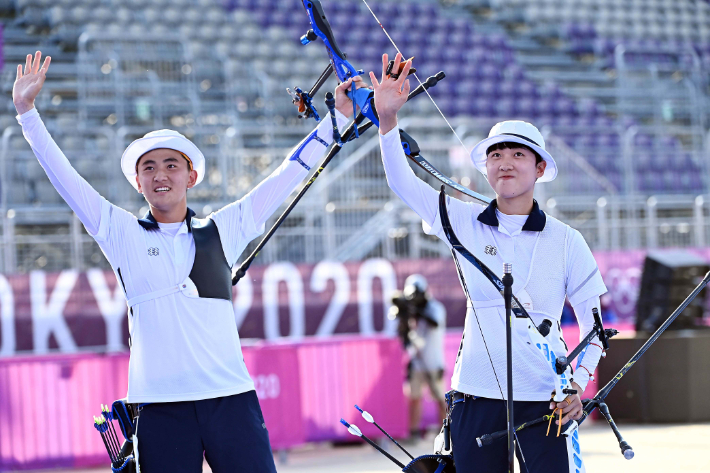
[[421, 327]]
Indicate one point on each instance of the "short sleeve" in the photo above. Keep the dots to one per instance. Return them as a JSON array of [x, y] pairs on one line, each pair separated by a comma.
[[237, 227], [584, 280]]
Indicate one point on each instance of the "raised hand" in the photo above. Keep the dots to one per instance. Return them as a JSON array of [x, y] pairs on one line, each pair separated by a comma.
[[342, 101], [390, 94], [28, 84]]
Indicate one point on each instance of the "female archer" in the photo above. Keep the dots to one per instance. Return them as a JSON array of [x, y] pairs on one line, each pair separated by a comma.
[[550, 260]]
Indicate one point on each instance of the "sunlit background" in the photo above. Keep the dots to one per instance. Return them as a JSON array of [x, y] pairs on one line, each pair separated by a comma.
[[619, 89]]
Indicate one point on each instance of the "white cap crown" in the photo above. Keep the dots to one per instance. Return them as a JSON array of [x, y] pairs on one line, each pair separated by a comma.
[[157, 139], [514, 131]]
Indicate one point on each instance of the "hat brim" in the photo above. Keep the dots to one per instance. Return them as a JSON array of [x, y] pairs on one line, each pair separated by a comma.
[[479, 157], [142, 145]]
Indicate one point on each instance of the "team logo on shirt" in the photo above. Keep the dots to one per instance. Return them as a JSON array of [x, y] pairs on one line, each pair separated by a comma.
[[153, 251], [490, 250]]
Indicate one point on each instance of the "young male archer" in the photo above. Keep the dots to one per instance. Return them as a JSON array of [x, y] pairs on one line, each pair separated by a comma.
[[551, 261], [186, 367]]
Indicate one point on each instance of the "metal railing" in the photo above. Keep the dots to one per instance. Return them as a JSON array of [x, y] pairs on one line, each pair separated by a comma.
[[135, 80], [53, 239], [350, 213]]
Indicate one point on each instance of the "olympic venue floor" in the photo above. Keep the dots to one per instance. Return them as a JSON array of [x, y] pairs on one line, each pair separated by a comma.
[[659, 448]]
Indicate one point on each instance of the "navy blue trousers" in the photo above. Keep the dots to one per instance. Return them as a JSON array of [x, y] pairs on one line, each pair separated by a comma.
[[543, 454], [228, 431]]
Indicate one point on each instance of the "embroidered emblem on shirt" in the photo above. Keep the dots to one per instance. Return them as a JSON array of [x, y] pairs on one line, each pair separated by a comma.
[[490, 250], [153, 251]]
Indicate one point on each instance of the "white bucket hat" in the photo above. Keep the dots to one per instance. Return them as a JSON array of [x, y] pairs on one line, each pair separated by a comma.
[[161, 139], [514, 131]]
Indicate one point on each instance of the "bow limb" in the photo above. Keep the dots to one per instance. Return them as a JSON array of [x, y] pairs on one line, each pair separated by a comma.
[[344, 70], [320, 28]]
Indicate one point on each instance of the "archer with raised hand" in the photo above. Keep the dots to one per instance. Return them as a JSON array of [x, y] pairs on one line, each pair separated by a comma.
[[186, 367], [551, 261]]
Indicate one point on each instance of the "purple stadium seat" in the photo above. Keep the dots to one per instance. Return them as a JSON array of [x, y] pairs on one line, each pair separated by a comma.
[[403, 22], [550, 91], [526, 107], [505, 108], [443, 87], [452, 55], [564, 106], [513, 71], [280, 18], [466, 89], [446, 104], [544, 107], [352, 8], [605, 140], [485, 106], [441, 23], [462, 107], [508, 89], [261, 17], [696, 182], [643, 141], [489, 88], [495, 42], [525, 88]]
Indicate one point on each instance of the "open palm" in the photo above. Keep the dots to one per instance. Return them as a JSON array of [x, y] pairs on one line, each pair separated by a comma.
[[28, 84], [390, 94]]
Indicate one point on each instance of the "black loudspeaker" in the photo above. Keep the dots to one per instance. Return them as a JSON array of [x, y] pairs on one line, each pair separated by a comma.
[[666, 281], [668, 384]]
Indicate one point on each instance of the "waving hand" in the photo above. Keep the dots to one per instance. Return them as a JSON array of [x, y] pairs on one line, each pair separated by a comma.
[[28, 84], [390, 93]]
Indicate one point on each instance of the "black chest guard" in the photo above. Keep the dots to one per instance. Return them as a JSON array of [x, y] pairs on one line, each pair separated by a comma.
[[210, 271]]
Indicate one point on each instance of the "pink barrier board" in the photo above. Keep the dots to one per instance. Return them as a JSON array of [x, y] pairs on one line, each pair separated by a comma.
[[47, 403], [337, 375], [46, 407]]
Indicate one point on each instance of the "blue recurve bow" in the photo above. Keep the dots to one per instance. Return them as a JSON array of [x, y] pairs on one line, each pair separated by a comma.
[[344, 70]]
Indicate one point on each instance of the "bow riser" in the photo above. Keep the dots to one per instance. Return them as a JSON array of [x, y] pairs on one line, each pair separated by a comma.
[[320, 28], [563, 386]]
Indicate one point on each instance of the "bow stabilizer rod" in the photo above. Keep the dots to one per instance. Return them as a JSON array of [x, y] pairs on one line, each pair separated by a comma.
[[610, 385], [626, 449]]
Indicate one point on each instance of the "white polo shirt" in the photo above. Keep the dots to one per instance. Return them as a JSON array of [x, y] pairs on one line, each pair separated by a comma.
[[550, 261], [182, 348]]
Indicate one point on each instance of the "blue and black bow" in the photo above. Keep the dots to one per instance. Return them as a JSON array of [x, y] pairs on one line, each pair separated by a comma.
[[362, 98], [344, 70]]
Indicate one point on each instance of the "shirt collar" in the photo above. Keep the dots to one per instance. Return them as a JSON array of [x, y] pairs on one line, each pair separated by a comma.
[[535, 222], [149, 223]]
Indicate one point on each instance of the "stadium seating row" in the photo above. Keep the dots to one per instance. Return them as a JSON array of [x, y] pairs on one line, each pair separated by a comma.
[[259, 38]]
